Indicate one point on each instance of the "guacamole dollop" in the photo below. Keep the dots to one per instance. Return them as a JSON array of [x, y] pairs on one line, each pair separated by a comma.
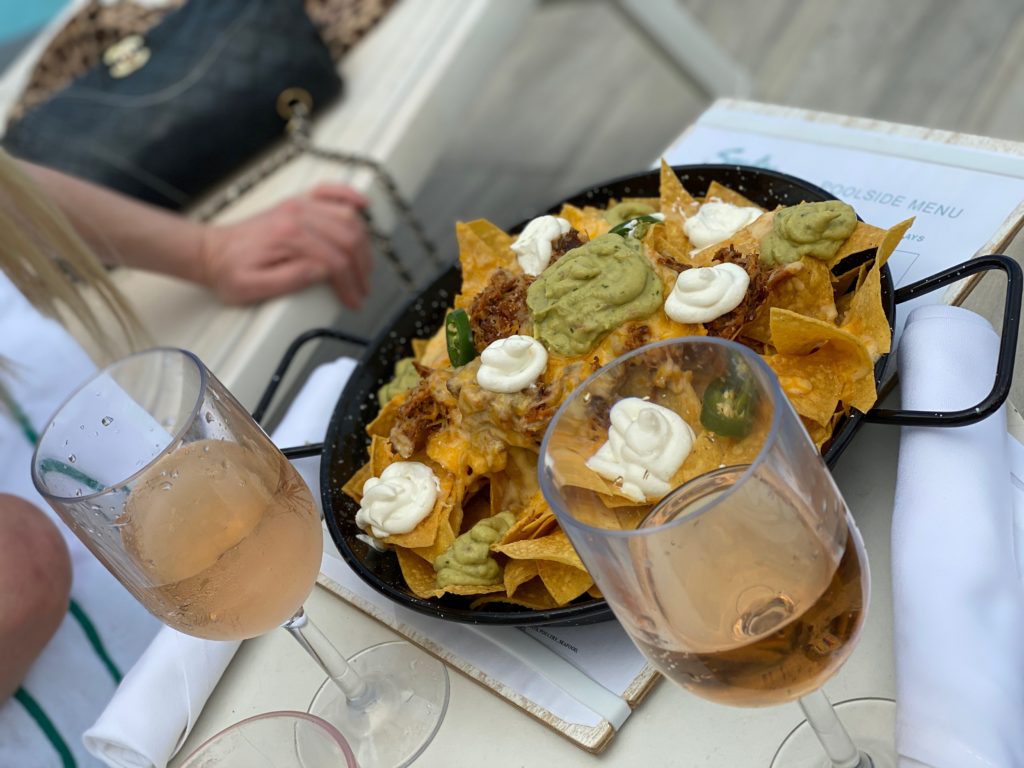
[[808, 229], [406, 377], [626, 210], [590, 291], [468, 561]]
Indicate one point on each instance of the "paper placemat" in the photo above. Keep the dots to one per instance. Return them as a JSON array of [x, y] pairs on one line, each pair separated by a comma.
[[582, 682]]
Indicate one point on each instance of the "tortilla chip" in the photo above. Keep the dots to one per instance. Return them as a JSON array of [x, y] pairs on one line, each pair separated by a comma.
[[388, 416], [476, 506], [864, 238], [419, 346], [435, 352], [555, 547], [531, 519], [514, 487], [664, 246], [425, 534], [794, 334], [804, 287], [726, 195], [866, 317], [664, 327], [676, 203], [589, 220], [849, 280], [541, 525], [517, 573], [818, 433], [419, 575], [482, 249], [473, 589], [892, 238], [533, 595], [711, 451], [354, 485], [381, 455], [811, 382], [495, 237], [451, 449], [564, 582]]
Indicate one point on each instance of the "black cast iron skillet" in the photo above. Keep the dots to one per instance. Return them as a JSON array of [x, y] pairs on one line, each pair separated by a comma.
[[345, 446]]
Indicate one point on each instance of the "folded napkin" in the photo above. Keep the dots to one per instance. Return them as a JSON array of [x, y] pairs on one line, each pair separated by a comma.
[[154, 708], [158, 701], [308, 415], [958, 599]]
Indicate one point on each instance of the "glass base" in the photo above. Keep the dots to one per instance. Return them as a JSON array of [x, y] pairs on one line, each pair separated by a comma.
[[411, 688], [871, 724]]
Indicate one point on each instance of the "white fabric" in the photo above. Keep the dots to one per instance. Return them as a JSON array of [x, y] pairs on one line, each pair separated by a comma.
[[308, 415], [69, 681], [958, 598], [160, 699]]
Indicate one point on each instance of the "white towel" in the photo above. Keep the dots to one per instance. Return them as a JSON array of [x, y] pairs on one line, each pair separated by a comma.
[[958, 600], [159, 700]]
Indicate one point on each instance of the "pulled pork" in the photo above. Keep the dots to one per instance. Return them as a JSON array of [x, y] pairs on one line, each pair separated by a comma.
[[499, 310], [729, 325], [565, 243], [425, 410]]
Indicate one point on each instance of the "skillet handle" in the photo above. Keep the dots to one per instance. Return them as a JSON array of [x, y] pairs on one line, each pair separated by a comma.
[[1007, 344], [260, 411]]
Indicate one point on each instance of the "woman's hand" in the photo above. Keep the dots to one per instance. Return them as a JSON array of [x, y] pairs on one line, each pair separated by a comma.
[[318, 236]]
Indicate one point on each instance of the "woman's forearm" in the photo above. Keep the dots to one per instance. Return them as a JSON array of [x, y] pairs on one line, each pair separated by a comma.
[[317, 236], [123, 231]]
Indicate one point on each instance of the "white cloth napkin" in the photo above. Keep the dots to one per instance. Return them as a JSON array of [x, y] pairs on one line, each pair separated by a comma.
[[958, 598], [153, 710], [158, 701], [308, 415]]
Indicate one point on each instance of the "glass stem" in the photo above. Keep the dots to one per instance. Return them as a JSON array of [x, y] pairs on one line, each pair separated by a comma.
[[830, 732], [357, 692]]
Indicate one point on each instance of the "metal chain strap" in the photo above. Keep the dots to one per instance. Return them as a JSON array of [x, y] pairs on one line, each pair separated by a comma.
[[298, 131]]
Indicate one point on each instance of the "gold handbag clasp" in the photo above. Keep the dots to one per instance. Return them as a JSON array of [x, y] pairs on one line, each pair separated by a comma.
[[127, 55], [294, 102]]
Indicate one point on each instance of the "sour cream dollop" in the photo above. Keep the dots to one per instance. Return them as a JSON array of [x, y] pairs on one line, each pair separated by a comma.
[[646, 444], [716, 221], [702, 294], [398, 500], [533, 246], [511, 364]]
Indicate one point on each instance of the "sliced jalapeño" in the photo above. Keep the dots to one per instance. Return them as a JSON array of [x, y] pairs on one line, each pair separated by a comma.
[[728, 407], [459, 336]]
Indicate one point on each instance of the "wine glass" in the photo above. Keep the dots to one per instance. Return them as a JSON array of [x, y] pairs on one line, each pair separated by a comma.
[[292, 739], [172, 485], [705, 514]]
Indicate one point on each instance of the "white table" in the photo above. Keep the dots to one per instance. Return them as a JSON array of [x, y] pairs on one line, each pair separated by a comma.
[[670, 727]]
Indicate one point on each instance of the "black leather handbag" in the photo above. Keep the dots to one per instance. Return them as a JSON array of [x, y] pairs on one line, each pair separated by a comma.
[[167, 115]]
